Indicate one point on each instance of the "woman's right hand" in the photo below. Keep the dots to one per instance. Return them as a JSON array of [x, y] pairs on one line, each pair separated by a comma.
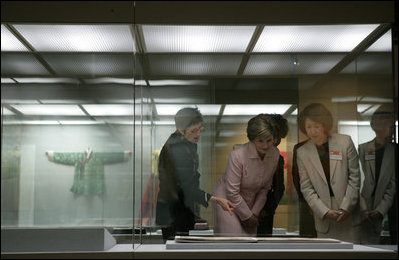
[[224, 203]]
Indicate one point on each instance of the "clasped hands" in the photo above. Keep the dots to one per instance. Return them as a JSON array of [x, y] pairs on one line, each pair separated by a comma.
[[371, 215], [250, 222], [337, 215]]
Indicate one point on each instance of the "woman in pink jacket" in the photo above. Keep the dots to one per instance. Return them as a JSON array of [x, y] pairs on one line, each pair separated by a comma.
[[247, 179]]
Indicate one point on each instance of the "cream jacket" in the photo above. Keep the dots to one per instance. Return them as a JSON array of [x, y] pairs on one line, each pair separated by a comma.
[[344, 178]]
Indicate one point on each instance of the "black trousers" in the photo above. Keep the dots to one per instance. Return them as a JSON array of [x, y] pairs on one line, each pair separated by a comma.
[[265, 228]]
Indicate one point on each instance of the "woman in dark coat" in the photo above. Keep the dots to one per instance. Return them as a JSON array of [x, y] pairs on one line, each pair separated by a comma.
[[179, 187]]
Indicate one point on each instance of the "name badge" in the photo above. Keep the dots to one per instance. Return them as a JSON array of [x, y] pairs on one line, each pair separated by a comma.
[[370, 155], [336, 155]]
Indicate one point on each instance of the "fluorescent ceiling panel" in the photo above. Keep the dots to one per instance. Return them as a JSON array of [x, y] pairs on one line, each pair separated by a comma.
[[109, 110], [171, 109], [186, 38], [312, 38], [377, 99], [7, 112], [64, 101], [47, 80], [229, 133], [120, 101], [31, 122], [169, 122], [80, 122], [194, 64], [344, 99], [20, 101], [235, 119], [176, 82], [174, 100], [363, 107], [231, 110], [370, 111], [354, 123], [384, 43], [78, 38], [109, 80], [91, 65], [7, 80], [50, 110], [9, 42]]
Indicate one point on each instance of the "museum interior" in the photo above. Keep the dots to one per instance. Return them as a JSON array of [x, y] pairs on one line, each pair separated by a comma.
[[89, 95]]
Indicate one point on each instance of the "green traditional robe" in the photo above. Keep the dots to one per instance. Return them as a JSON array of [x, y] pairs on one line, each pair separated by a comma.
[[89, 173]]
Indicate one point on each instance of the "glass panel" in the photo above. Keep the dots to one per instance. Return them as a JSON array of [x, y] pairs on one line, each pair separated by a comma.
[[110, 135], [349, 84], [68, 131]]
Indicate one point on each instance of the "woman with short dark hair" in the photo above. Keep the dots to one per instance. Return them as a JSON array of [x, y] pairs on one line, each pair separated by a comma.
[[329, 175], [248, 179], [179, 185]]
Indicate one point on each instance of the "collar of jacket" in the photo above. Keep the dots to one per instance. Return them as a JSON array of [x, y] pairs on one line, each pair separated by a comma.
[[252, 153], [177, 137]]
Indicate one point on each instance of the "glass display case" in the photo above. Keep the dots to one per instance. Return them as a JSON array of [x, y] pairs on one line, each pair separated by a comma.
[[86, 109]]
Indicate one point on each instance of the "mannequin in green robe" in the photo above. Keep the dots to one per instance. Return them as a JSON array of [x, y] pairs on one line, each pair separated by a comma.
[[89, 168]]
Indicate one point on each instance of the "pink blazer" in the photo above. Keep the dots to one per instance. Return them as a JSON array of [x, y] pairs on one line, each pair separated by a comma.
[[245, 183]]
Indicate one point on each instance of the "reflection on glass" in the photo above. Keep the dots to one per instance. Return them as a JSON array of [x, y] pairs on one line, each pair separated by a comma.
[[112, 97]]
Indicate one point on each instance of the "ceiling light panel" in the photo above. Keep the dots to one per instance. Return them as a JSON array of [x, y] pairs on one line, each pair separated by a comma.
[[50, 110], [110, 80], [91, 65], [171, 109], [21, 64], [19, 101], [194, 64], [231, 110], [78, 38], [109, 110], [31, 122], [169, 38], [7, 80], [47, 80], [6, 112], [312, 38], [9, 42], [66, 101], [177, 82], [384, 43], [235, 119]]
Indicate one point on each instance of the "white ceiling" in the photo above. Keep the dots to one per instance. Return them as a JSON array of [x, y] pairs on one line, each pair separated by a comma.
[[96, 51], [106, 54]]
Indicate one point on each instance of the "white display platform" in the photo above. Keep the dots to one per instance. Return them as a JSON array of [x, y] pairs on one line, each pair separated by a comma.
[[208, 232], [56, 239], [173, 245]]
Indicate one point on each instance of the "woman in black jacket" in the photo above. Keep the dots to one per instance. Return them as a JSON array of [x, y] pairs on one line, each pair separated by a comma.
[[179, 187]]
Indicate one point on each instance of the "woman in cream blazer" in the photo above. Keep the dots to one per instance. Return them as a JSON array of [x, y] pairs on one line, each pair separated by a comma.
[[329, 176]]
